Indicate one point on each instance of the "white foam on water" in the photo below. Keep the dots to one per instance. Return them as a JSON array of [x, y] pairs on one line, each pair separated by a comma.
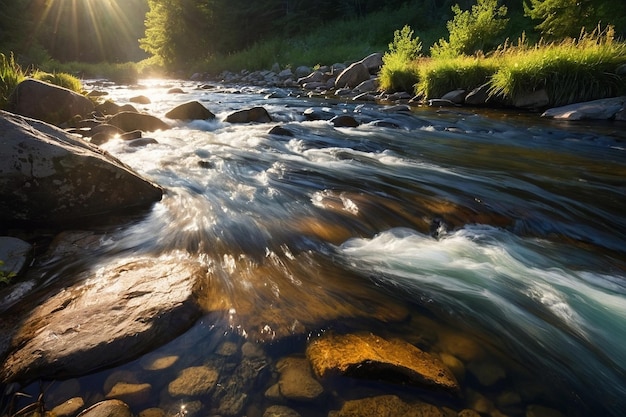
[[495, 276]]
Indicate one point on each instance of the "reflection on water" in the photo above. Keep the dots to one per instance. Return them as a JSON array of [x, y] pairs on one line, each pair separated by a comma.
[[494, 244]]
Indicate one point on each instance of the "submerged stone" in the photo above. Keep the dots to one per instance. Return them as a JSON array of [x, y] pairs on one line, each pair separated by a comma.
[[386, 406], [194, 381], [372, 357], [296, 380], [108, 408]]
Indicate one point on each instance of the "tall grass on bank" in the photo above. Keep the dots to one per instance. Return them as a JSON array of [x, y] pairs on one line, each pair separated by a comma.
[[570, 71], [442, 75], [11, 75], [121, 73], [62, 79], [399, 71]]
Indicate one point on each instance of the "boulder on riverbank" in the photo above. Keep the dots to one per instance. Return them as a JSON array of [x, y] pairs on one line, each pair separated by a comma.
[[48, 102], [48, 176]]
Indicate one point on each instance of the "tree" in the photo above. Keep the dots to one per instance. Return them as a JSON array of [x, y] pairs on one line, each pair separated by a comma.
[[566, 18], [178, 31], [474, 30]]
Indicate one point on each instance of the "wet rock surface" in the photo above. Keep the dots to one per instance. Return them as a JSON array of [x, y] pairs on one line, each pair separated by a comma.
[[368, 356], [386, 406], [47, 102], [194, 381], [604, 109], [108, 408], [109, 315], [192, 110], [52, 177]]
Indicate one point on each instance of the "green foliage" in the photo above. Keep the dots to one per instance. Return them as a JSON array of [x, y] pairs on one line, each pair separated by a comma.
[[61, 79], [572, 70], [442, 75], [335, 41], [566, 18], [11, 74], [399, 72], [121, 73], [5, 277], [404, 45], [472, 31]]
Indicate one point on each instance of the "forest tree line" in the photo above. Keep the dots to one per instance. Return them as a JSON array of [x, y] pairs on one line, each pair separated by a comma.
[[183, 31]]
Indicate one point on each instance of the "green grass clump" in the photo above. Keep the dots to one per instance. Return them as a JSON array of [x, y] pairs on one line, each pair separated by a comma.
[[440, 76], [11, 74], [5, 277], [574, 70], [62, 79], [121, 73]]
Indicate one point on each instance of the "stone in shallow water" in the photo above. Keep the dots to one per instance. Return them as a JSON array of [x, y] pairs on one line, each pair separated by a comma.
[[386, 406], [158, 362], [105, 314], [132, 394], [486, 372], [152, 412], [108, 408], [69, 407], [296, 380], [372, 357], [280, 411], [194, 381]]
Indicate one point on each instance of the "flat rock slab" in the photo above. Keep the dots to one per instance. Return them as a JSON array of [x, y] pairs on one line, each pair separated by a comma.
[[372, 357], [603, 109], [113, 312]]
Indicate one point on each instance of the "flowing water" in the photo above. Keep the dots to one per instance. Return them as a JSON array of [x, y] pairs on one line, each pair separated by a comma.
[[452, 229]]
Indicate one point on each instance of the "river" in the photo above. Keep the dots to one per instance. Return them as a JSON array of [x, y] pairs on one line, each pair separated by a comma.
[[502, 230]]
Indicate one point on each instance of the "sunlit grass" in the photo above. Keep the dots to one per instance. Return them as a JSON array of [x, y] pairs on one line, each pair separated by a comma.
[[570, 71], [11, 74], [442, 75], [61, 79]]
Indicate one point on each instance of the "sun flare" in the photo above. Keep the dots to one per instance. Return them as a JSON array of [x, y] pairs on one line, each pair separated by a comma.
[[77, 25]]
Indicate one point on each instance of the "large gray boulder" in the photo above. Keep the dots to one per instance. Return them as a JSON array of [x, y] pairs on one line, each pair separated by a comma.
[[48, 176], [373, 62], [48, 102], [352, 76], [102, 314]]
